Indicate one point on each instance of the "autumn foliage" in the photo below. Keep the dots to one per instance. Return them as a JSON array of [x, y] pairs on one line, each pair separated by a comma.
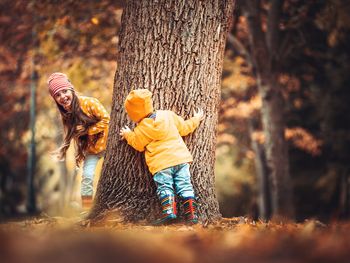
[[231, 240]]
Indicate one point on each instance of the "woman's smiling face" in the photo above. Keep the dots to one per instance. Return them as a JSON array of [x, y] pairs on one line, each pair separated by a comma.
[[64, 98]]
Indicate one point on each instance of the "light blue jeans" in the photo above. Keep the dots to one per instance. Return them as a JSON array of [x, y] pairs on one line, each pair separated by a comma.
[[177, 176], [87, 180]]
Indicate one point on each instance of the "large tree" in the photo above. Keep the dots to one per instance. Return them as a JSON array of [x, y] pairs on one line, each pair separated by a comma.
[[175, 49]]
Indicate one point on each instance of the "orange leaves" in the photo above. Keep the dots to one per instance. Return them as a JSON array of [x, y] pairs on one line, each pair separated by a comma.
[[240, 109], [289, 82], [240, 79], [304, 140], [235, 239], [300, 138], [62, 21], [227, 138], [95, 20], [335, 19]]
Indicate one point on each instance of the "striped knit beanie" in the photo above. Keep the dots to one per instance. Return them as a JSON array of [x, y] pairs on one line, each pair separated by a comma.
[[57, 82]]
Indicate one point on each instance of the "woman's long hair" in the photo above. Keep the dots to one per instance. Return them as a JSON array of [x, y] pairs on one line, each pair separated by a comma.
[[70, 121]]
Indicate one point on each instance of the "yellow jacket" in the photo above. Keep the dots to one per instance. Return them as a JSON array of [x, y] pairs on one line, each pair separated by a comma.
[[92, 107], [161, 139]]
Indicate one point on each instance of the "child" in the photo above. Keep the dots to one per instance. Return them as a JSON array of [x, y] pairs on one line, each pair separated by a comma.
[[85, 121], [159, 135]]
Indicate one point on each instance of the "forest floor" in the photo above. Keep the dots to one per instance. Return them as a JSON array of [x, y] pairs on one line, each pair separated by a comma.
[[58, 239]]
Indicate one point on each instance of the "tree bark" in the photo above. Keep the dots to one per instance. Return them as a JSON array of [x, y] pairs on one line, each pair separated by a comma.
[[31, 191], [175, 49], [265, 56], [262, 174], [344, 207]]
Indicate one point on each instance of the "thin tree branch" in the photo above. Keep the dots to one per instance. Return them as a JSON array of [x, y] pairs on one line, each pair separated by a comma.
[[273, 32], [240, 48], [260, 54]]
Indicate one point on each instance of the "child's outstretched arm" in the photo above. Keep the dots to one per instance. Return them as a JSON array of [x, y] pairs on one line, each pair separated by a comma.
[[135, 139], [185, 127]]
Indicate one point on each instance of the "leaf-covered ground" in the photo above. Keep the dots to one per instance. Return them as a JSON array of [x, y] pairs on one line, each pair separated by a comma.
[[51, 240]]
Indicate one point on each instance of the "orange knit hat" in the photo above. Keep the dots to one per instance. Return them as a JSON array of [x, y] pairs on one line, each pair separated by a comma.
[[138, 104]]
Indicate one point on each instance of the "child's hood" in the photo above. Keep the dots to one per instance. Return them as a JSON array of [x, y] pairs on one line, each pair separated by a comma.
[[138, 104], [157, 128]]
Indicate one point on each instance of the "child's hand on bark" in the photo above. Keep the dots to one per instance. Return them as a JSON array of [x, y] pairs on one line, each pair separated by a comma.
[[124, 130], [199, 114]]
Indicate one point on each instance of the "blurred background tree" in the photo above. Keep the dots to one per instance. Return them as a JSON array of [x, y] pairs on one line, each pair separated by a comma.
[[313, 39], [81, 40]]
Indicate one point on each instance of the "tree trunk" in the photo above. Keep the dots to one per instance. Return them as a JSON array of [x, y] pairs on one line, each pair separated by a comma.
[[262, 174], [265, 56], [175, 49], [63, 173], [344, 207], [31, 194], [276, 148]]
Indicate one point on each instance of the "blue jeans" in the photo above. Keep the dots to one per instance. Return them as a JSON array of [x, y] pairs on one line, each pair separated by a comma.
[[87, 179], [177, 176]]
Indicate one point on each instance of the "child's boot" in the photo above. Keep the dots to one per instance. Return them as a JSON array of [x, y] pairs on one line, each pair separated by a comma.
[[190, 210], [168, 210]]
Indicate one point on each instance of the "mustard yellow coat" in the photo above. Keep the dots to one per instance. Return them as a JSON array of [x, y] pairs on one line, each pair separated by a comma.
[[92, 107], [161, 140]]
